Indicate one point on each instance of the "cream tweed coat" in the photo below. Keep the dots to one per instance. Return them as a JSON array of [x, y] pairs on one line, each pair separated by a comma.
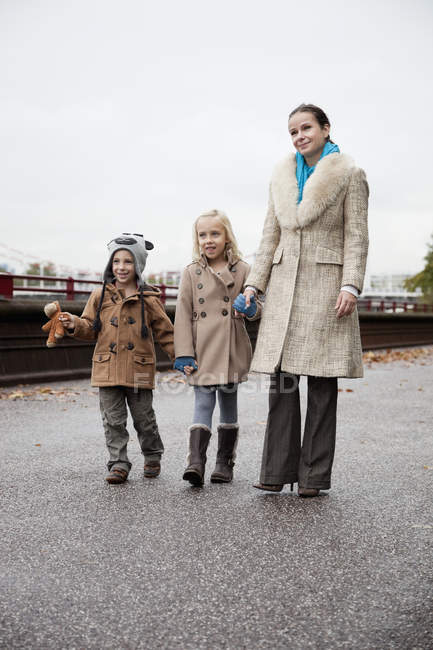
[[307, 253]]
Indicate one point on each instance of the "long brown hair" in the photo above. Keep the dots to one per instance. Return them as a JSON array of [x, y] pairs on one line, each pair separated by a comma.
[[318, 113]]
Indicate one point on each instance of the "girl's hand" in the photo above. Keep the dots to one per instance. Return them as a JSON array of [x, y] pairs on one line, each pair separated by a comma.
[[67, 320], [346, 303], [240, 306], [187, 365]]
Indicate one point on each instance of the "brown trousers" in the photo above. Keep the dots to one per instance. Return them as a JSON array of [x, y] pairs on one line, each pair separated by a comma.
[[284, 460]]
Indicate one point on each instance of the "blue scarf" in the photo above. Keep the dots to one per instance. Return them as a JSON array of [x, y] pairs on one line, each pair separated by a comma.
[[303, 172]]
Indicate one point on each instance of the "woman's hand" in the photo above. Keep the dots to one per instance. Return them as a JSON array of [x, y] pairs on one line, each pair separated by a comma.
[[346, 303], [67, 320], [248, 293]]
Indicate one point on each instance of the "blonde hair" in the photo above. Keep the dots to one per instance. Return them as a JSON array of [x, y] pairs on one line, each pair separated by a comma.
[[232, 244]]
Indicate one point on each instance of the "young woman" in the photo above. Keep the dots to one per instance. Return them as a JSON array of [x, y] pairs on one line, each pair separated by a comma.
[[311, 261], [211, 343]]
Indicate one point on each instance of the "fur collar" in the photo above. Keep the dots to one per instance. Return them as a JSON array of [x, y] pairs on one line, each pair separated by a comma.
[[330, 177]]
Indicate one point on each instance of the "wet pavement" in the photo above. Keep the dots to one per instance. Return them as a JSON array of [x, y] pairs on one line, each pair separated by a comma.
[[158, 564]]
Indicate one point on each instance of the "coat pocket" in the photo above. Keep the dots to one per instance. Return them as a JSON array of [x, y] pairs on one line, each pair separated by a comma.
[[328, 256], [101, 366], [277, 255], [143, 369]]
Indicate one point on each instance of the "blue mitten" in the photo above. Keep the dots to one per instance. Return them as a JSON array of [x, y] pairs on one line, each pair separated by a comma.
[[181, 362], [239, 305]]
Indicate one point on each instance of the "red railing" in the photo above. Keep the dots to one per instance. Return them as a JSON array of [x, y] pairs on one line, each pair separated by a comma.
[[8, 287], [393, 306]]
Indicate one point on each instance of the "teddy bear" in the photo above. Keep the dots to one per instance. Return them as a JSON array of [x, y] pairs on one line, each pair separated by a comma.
[[54, 327]]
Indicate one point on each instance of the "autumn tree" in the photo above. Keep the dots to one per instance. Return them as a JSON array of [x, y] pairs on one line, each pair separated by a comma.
[[424, 279], [35, 269]]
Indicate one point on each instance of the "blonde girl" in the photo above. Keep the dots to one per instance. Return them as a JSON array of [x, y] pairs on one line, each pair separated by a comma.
[[212, 346]]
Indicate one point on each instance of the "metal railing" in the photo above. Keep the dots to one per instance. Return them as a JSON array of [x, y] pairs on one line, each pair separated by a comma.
[[8, 287], [393, 306]]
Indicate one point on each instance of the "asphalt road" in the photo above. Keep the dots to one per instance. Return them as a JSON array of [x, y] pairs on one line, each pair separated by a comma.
[[158, 564]]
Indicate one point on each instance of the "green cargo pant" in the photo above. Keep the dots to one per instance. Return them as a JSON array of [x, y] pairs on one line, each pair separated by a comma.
[[112, 402]]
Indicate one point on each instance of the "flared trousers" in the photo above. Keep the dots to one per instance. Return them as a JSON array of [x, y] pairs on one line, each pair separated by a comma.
[[284, 459]]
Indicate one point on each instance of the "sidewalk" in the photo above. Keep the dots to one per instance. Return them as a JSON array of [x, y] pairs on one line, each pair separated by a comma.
[[158, 564]]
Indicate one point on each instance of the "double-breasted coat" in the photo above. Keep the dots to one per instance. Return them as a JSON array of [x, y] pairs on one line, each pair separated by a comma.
[[122, 357], [307, 253], [206, 326]]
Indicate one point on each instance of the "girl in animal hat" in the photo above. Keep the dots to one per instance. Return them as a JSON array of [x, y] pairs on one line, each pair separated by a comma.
[[211, 343], [124, 317]]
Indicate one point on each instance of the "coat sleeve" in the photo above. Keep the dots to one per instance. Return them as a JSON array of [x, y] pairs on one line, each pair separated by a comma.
[[355, 230], [84, 325], [183, 339], [162, 328], [260, 272]]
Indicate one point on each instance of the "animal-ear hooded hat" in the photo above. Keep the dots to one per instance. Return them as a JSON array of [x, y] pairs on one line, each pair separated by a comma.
[[137, 246]]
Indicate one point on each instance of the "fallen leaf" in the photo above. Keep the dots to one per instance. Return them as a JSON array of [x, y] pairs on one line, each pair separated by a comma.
[[427, 467], [409, 355], [349, 390], [38, 444], [421, 526], [45, 390]]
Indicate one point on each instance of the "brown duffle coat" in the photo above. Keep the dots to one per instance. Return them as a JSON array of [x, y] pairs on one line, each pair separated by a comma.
[[206, 327], [122, 357], [307, 253]]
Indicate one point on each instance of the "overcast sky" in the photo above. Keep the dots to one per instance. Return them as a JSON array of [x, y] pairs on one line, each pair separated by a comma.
[[137, 116]]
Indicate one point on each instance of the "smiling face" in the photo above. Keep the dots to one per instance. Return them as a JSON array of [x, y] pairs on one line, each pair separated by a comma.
[[123, 267], [308, 136], [212, 238]]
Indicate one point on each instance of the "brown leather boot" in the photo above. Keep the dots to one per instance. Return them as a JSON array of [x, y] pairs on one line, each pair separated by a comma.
[[199, 436], [225, 460]]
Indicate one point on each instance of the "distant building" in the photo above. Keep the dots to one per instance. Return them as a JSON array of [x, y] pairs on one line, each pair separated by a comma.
[[6, 268], [389, 286]]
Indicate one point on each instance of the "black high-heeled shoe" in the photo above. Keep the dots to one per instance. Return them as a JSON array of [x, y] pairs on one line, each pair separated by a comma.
[[269, 488], [308, 492]]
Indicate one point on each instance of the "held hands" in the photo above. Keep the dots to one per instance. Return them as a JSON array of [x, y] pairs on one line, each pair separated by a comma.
[[346, 303], [248, 294], [187, 365], [241, 305]]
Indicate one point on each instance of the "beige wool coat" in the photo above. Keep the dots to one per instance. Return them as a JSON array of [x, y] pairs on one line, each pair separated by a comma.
[[306, 254], [206, 327], [122, 357]]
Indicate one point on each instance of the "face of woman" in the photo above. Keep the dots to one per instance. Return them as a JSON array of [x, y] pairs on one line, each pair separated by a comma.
[[308, 136]]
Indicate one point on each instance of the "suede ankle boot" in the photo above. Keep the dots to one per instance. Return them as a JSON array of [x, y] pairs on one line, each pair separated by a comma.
[[199, 436], [225, 460]]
